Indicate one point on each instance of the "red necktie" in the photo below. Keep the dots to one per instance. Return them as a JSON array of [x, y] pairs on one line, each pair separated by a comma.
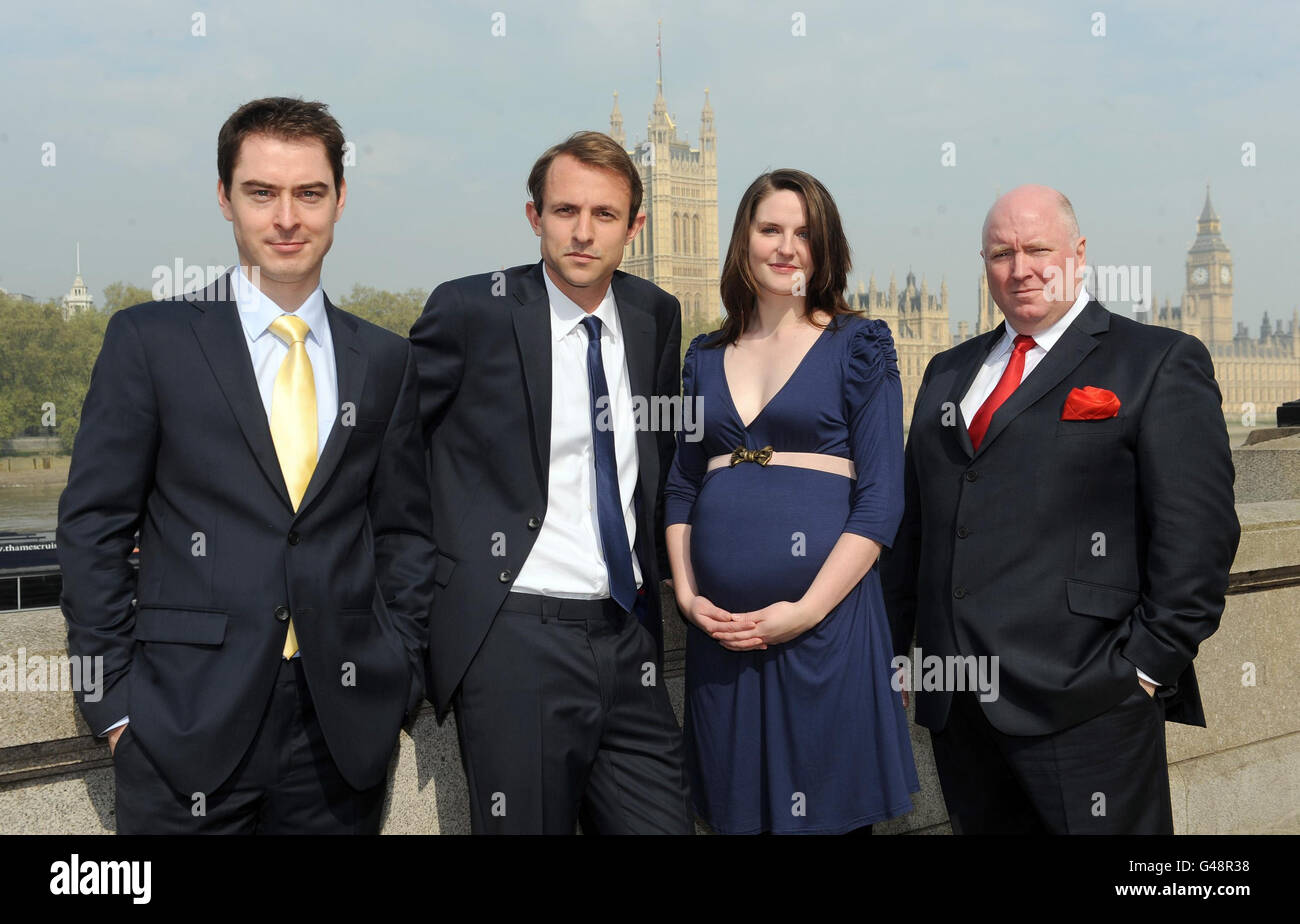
[[1010, 380]]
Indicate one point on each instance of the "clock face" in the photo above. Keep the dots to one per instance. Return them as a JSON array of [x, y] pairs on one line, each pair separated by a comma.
[[1225, 275], [1200, 275]]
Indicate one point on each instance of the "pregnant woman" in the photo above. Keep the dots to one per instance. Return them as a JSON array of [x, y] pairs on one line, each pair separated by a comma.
[[776, 518]]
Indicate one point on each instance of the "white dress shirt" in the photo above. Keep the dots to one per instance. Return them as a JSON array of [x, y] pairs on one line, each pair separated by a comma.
[[256, 312], [566, 560], [996, 363]]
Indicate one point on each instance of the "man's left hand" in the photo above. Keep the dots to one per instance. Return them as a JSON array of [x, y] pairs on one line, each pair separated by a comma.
[[1149, 687]]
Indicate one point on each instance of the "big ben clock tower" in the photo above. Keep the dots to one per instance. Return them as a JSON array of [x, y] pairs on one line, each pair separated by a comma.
[[1208, 306]]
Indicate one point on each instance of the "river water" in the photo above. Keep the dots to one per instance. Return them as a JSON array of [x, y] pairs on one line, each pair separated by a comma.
[[29, 508]]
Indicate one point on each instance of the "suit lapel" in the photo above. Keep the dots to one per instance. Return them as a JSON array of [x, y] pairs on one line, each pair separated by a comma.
[[221, 338], [962, 381], [531, 315], [350, 363], [1076, 342], [638, 328]]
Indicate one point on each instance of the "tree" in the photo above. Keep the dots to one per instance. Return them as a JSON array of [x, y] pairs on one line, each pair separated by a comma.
[[119, 295], [46, 362], [395, 311], [45, 365], [80, 339]]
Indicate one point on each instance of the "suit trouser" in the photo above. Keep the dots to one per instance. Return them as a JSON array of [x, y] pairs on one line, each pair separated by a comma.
[[563, 718], [286, 783], [1106, 775]]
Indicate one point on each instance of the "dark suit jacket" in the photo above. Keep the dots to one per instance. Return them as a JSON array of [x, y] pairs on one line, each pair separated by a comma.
[[174, 440], [998, 550], [483, 348]]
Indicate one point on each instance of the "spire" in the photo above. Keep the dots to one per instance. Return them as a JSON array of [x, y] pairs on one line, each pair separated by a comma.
[[616, 124], [78, 297], [77, 284], [659, 52], [661, 127], [708, 135], [1208, 238], [1207, 213]]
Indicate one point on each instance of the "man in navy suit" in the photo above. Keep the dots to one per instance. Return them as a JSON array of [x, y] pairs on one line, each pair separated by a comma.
[[1069, 513], [547, 507], [267, 446]]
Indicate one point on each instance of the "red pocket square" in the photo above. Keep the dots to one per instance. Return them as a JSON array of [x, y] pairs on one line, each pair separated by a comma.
[[1090, 403]]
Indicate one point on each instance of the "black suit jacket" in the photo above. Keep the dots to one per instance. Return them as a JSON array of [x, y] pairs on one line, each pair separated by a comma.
[[483, 348], [174, 441], [1001, 551]]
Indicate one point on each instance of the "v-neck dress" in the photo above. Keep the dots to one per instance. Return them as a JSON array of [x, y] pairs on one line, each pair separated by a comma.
[[807, 736]]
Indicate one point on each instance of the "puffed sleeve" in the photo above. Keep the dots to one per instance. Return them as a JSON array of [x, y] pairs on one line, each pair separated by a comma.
[[689, 461], [873, 404]]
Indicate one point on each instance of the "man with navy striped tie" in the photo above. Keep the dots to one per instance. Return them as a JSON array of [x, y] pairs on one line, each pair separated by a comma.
[[546, 632]]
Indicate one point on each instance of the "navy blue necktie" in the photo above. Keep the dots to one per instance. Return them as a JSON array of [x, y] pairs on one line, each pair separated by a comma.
[[609, 509]]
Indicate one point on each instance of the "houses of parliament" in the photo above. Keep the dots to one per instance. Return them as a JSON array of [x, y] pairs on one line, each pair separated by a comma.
[[678, 251]]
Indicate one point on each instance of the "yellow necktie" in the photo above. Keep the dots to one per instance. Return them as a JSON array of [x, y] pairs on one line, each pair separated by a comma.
[[293, 420]]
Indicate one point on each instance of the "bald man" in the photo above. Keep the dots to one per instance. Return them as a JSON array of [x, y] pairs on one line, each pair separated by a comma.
[[1065, 548]]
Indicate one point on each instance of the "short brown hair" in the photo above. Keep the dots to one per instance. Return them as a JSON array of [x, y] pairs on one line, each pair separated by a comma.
[[280, 117], [829, 248], [595, 149]]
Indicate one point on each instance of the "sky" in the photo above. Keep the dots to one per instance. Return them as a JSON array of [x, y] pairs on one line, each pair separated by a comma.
[[448, 118]]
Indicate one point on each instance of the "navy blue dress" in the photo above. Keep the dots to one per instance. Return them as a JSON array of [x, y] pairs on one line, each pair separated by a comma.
[[806, 736]]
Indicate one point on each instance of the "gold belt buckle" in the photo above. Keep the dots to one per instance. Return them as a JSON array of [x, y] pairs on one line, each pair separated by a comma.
[[761, 456]]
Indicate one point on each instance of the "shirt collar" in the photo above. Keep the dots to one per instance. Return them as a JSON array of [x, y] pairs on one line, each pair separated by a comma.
[[566, 315], [256, 311], [1045, 339]]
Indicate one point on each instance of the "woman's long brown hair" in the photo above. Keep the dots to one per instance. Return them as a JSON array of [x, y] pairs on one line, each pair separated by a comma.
[[826, 241]]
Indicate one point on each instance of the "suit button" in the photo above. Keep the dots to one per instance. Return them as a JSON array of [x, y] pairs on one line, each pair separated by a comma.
[[282, 613], [294, 538], [971, 476], [959, 592], [504, 577], [962, 532], [533, 522]]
